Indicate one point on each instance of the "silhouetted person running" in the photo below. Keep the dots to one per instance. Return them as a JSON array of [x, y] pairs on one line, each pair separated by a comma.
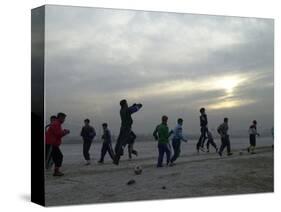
[[106, 145], [225, 142], [204, 130], [211, 142], [131, 143], [88, 133], [252, 137], [48, 146], [126, 128]]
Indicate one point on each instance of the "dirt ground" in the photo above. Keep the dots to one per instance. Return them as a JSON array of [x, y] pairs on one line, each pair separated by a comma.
[[193, 175]]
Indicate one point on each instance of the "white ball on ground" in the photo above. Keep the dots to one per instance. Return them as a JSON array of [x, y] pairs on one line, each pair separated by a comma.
[[138, 170]]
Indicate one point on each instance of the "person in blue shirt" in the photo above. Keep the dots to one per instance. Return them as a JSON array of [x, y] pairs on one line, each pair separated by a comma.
[[176, 140], [125, 129]]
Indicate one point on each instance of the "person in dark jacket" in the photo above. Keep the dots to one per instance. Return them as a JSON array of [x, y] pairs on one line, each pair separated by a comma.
[[131, 143], [106, 145], [88, 133], [225, 142], [125, 129], [204, 130]]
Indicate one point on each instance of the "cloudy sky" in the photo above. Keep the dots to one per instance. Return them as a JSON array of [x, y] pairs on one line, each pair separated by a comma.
[[172, 63]]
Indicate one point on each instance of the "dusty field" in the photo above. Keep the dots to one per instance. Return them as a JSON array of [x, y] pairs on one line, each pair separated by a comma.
[[194, 175]]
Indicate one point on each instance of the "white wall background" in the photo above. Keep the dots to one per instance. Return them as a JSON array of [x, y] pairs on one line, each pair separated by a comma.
[[15, 103]]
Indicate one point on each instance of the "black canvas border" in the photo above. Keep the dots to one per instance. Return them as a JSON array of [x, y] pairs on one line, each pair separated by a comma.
[[37, 105]]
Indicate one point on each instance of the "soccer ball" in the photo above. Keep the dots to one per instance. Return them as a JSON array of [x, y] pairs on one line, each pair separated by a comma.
[[138, 170]]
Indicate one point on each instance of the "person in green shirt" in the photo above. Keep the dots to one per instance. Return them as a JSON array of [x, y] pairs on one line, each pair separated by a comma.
[[162, 134]]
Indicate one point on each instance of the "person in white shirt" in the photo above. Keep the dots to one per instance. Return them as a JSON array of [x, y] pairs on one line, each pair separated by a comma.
[[176, 141], [252, 137]]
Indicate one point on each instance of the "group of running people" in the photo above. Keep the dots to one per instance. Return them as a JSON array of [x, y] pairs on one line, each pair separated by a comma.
[[54, 133]]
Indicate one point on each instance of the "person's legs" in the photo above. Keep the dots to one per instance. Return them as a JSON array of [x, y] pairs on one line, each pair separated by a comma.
[[48, 156], [252, 143], [135, 152], [119, 139], [223, 145], [167, 150], [198, 145], [176, 147], [86, 148], [160, 155], [208, 145], [103, 152], [110, 151], [132, 142], [228, 145], [118, 146], [212, 142], [204, 137], [122, 141], [130, 150], [57, 158]]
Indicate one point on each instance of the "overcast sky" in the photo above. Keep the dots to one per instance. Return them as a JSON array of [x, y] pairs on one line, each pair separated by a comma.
[[172, 63]]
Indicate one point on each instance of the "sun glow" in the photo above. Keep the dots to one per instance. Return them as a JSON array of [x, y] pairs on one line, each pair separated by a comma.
[[229, 104], [229, 83]]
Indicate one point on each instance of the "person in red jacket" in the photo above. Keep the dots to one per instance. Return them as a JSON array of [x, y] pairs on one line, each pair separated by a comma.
[[53, 137], [48, 146]]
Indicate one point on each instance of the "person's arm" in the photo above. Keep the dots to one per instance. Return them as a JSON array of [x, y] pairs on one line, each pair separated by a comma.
[[170, 133], [134, 108], [257, 133], [47, 126], [181, 136], [155, 133], [220, 130]]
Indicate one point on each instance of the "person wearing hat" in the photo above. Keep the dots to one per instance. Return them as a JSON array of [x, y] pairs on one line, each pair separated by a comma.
[[252, 137], [125, 129]]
